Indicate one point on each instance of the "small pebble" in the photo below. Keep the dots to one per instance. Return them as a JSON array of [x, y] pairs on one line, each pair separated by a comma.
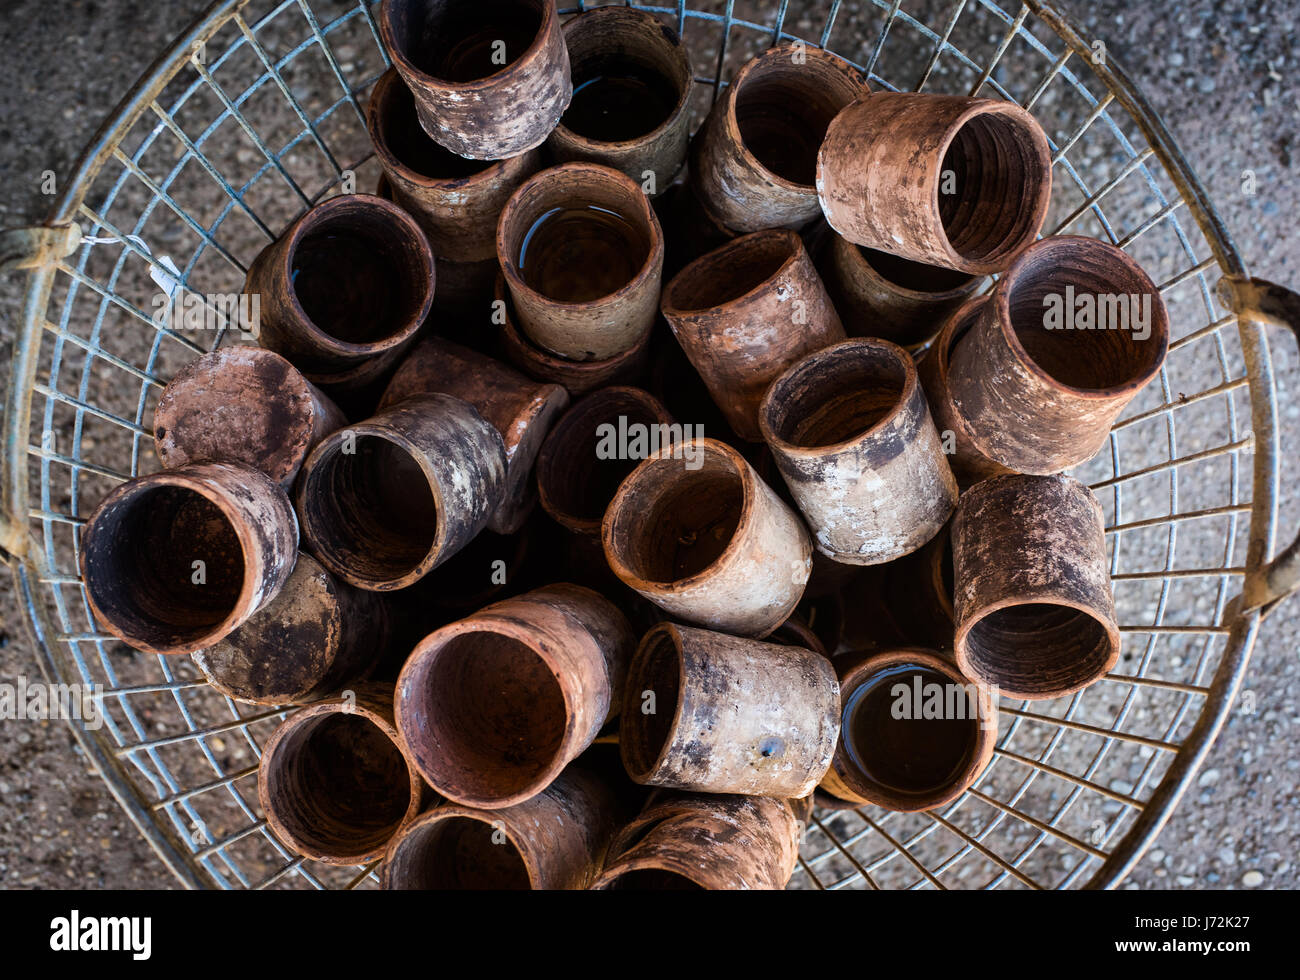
[[1252, 879], [1208, 778]]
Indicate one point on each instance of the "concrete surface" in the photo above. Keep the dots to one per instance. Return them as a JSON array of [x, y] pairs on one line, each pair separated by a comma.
[[1225, 79]]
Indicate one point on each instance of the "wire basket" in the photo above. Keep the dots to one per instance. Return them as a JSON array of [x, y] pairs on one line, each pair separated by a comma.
[[256, 113]]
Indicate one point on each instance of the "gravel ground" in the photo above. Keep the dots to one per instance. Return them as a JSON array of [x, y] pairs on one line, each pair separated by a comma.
[[1224, 79]]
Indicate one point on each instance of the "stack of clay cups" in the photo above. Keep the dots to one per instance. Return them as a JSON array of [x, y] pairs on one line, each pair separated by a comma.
[[879, 515]]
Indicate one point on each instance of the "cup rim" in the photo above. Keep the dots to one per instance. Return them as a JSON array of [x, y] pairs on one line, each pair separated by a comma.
[[532, 53], [616, 12], [185, 478], [1000, 297], [329, 706], [749, 489], [932, 175], [307, 224], [911, 382], [795, 249], [757, 64], [866, 666], [432, 646], [651, 267]]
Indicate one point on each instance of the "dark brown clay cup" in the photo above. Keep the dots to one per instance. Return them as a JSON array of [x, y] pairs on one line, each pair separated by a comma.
[[335, 782], [493, 707], [521, 410], [714, 713], [696, 841], [882, 295], [945, 180], [631, 86], [583, 462], [344, 289], [582, 254], [753, 162], [1039, 393], [245, 405], [555, 840], [853, 438], [456, 201], [933, 367], [385, 501], [174, 561], [744, 313], [694, 530], [317, 636], [576, 377], [490, 77], [915, 733], [1033, 602]]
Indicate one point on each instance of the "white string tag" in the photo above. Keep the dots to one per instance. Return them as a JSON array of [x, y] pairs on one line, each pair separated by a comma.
[[162, 270]]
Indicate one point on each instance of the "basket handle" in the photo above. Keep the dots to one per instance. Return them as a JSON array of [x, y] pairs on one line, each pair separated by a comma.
[[1268, 303]]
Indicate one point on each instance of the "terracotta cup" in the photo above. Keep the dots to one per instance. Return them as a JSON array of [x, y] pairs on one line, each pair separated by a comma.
[[852, 436], [576, 377], [1035, 612], [915, 733], [1071, 333], [494, 706], [946, 180], [344, 290], [695, 531], [334, 781], [521, 410], [715, 713], [317, 636], [882, 295], [753, 162], [456, 201], [174, 561], [744, 313], [582, 254], [490, 77], [933, 368], [684, 841], [631, 85], [385, 501], [555, 840], [245, 405], [592, 449]]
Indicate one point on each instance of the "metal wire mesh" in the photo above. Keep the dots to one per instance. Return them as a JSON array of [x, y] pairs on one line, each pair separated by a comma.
[[256, 113]]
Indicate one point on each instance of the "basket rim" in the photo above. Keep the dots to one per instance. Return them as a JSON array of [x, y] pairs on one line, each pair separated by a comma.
[[27, 563]]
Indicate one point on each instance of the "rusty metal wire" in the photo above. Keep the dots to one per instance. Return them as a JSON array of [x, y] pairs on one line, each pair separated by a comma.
[[253, 115]]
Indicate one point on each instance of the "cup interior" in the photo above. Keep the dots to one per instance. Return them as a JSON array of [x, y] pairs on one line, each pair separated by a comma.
[[643, 737], [370, 510], [1128, 336], [784, 106], [671, 522], [489, 712], [1000, 183], [910, 733], [726, 274], [339, 784], [838, 394], [460, 42], [361, 274], [165, 565], [457, 853], [1037, 649]]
